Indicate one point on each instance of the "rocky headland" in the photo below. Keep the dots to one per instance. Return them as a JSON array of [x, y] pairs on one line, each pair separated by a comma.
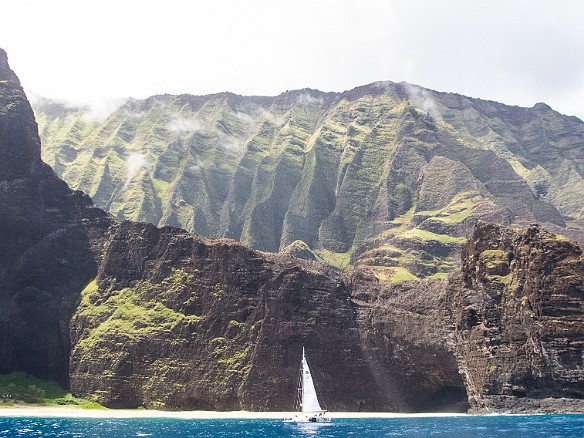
[[518, 316]]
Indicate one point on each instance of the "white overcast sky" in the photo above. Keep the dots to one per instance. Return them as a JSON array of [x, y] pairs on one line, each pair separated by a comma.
[[519, 52]]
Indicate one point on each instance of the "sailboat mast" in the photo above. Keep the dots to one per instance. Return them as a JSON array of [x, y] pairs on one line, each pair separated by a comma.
[[301, 387]]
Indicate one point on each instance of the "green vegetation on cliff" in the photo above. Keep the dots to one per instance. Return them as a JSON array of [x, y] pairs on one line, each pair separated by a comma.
[[175, 321], [134, 312], [159, 317], [139, 314], [19, 387], [333, 170]]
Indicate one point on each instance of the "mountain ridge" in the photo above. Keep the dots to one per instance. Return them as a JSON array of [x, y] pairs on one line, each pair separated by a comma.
[[354, 175], [51, 239]]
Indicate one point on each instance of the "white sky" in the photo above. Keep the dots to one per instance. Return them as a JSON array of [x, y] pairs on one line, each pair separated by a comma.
[[518, 52]]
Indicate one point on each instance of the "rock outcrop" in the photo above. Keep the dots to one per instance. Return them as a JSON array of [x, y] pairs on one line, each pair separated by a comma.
[[209, 324], [132, 315], [50, 239], [406, 336], [224, 325], [518, 316]]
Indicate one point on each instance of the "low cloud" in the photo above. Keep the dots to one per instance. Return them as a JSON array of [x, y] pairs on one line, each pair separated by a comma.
[[98, 110], [136, 115], [231, 143], [424, 100], [184, 125], [94, 110], [135, 162], [308, 99], [198, 165], [274, 119], [243, 118]]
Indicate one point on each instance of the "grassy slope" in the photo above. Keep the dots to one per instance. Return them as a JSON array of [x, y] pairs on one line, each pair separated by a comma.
[[19, 387]]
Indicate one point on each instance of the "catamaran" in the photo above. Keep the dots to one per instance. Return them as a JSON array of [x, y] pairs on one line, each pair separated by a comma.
[[309, 405]]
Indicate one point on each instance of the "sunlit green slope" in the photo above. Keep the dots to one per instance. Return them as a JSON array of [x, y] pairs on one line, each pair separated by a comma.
[[388, 175]]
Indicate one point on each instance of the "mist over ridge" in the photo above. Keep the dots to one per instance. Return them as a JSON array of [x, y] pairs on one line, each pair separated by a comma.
[[360, 176]]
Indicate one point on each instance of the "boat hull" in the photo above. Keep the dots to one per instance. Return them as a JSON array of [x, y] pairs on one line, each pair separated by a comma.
[[309, 420]]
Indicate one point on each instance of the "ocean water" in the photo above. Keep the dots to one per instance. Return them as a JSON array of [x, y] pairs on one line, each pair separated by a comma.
[[549, 426]]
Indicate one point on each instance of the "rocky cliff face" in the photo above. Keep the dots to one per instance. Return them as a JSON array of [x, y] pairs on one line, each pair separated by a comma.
[[223, 326], [176, 321], [133, 315], [212, 325], [50, 237], [387, 175], [519, 319], [406, 336]]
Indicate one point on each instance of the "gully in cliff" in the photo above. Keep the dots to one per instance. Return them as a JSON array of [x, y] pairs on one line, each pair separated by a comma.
[[310, 408]]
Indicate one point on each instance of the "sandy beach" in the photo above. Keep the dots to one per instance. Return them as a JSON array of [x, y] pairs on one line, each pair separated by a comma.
[[41, 411]]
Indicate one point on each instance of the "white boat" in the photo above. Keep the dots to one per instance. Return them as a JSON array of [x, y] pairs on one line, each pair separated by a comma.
[[310, 410]]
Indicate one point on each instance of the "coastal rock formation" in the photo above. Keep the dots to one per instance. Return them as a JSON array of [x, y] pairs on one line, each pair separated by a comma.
[[224, 326], [406, 337], [129, 314], [210, 324], [518, 315], [176, 321]]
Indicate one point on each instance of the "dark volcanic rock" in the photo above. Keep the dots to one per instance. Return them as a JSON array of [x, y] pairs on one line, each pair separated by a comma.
[[519, 320], [20, 154], [173, 320], [407, 338], [50, 239], [236, 321]]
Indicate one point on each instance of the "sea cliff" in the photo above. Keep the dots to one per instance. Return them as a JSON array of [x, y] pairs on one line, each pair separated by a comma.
[[129, 314]]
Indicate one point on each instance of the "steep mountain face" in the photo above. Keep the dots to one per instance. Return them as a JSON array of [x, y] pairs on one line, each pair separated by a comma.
[[50, 237], [387, 175], [519, 319], [181, 322], [130, 315], [209, 324]]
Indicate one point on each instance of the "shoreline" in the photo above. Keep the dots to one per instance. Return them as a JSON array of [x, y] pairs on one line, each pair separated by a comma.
[[56, 411]]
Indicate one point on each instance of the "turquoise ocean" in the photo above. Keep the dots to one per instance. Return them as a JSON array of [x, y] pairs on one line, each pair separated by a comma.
[[549, 426]]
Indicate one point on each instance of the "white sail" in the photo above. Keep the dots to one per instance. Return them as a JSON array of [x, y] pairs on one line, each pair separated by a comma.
[[309, 400]]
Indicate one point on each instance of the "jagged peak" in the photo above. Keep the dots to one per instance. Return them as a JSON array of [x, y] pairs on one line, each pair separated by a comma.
[[542, 106], [6, 73], [19, 144]]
